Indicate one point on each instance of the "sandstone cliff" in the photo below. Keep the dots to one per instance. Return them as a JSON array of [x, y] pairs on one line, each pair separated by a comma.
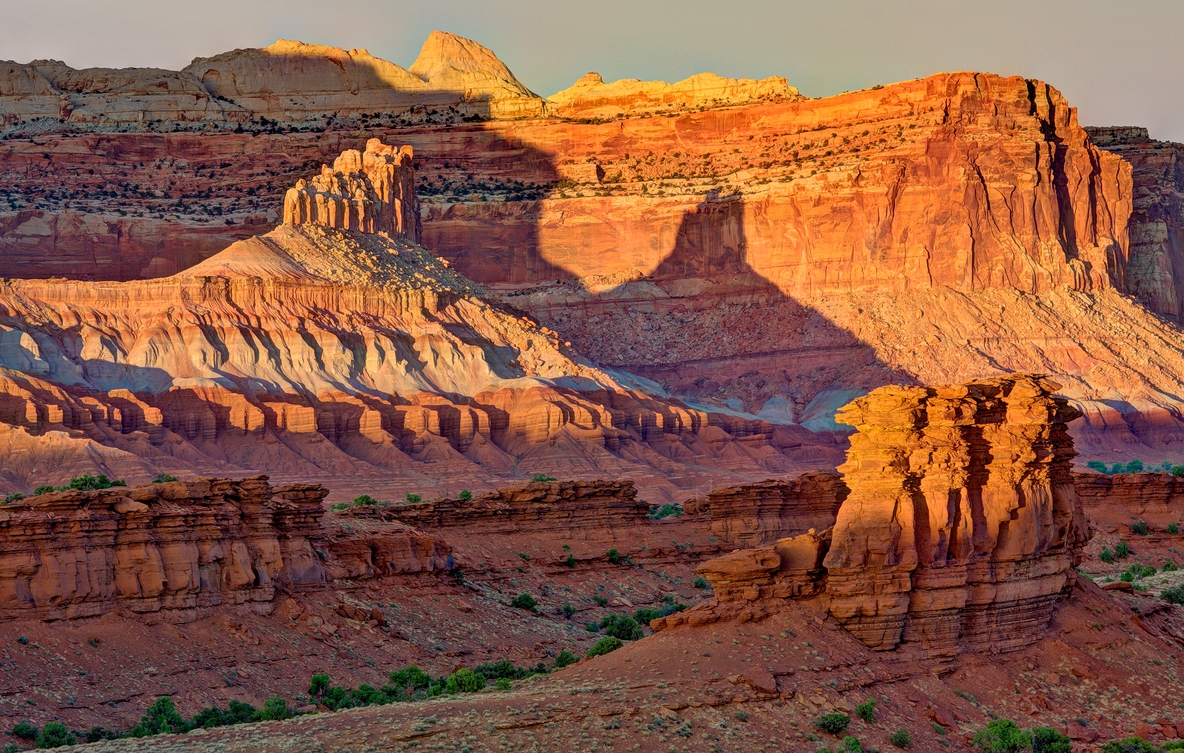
[[961, 530], [591, 97], [175, 552], [1155, 272]]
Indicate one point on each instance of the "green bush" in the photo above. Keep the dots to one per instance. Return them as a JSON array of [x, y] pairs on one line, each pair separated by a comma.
[[568, 610], [274, 708], [25, 731], [412, 499], [319, 683], [565, 659], [1175, 594], [701, 582], [605, 645], [463, 681], [1135, 466], [1178, 470], [613, 556], [465, 495], [1096, 465], [365, 501], [1122, 550], [851, 745], [238, 713], [43, 489], [410, 677], [338, 507], [866, 710], [833, 724], [657, 512], [901, 738], [87, 482], [1106, 555], [161, 718], [503, 684], [1169, 567], [1139, 527], [541, 478], [570, 561], [621, 626], [1048, 740], [1002, 736], [1174, 527], [1129, 745], [14, 497], [163, 478], [1117, 468], [55, 735], [600, 601], [524, 601]]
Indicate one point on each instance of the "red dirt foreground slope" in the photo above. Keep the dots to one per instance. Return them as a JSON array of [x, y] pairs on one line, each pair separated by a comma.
[[939, 595]]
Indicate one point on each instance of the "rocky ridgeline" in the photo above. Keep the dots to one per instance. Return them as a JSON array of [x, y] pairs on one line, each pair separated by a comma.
[[173, 552], [759, 514], [368, 192], [961, 530]]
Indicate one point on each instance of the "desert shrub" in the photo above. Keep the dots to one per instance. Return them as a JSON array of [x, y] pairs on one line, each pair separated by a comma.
[[605, 645], [1169, 567], [14, 748], [319, 683], [701, 582], [866, 710], [1139, 527], [851, 744], [524, 556], [540, 478], [25, 731], [1174, 527], [570, 561], [1175, 594], [901, 738], [621, 626], [465, 495], [1117, 468], [565, 659], [161, 718], [87, 482], [43, 489], [1135, 466], [600, 601], [464, 681], [502, 669], [237, 713], [98, 734], [657, 512], [14, 497], [163, 478], [411, 677], [1122, 550], [1129, 745], [1002, 736], [645, 614], [568, 610], [412, 499], [1048, 740], [1096, 465], [1178, 470], [55, 735], [274, 708], [1106, 555], [613, 556], [338, 507], [365, 500], [503, 684], [833, 724], [524, 601]]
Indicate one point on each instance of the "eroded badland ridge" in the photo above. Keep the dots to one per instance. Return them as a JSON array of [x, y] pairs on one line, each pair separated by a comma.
[[805, 389]]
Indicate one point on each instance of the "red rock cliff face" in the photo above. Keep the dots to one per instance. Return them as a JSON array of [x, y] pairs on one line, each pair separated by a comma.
[[760, 514], [1155, 272]]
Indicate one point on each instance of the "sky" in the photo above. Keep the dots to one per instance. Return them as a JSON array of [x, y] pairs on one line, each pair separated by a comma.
[[1118, 63]]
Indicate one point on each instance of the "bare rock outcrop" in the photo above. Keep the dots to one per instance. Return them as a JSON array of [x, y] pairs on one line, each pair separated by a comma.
[[591, 97], [759, 514], [368, 192], [961, 531], [175, 551]]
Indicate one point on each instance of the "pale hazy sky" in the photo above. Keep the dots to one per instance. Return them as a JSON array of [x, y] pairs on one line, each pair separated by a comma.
[[1120, 63]]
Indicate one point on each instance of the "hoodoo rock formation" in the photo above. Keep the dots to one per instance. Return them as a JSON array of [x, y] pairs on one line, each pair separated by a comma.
[[370, 192], [961, 530], [174, 552]]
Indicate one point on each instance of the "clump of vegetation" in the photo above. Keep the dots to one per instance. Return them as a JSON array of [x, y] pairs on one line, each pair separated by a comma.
[[541, 478], [1048, 740], [834, 724], [1169, 567], [701, 582], [1129, 745], [901, 738], [365, 500], [1134, 466], [339, 506], [412, 499], [85, 482], [524, 601], [1175, 594], [1175, 527], [13, 497], [565, 659], [600, 601], [163, 478], [613, 556], [1122, 550], [657, 512], [1137, 572], [621, 626], [647, 614], [851, 744], [1106, 555], [463, 681], [25, 731], [1139, 528], [1002, 736], [605, 645], [866, 710], [55, 735], [465, 495]]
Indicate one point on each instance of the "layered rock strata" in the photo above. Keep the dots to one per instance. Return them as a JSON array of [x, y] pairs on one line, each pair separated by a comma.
[[173, 552], [368, 192], [591, 97], [961, 530], [760, 514]]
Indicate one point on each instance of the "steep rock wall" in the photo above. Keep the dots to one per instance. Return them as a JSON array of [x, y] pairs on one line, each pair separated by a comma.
[[756, 515]]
